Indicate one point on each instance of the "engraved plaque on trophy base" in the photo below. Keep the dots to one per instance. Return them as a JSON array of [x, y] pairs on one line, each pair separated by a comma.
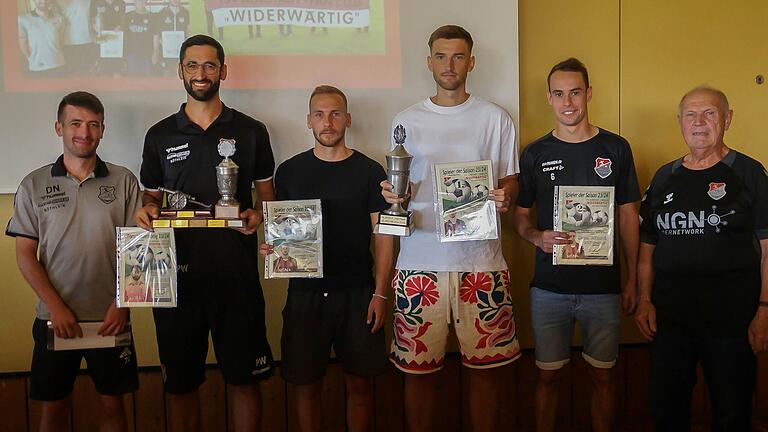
[[399, 225], [227, 211], [198, 222]]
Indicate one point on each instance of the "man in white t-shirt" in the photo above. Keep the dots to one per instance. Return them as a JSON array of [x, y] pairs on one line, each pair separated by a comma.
[[40, 34], [79, 49], [465, 283]]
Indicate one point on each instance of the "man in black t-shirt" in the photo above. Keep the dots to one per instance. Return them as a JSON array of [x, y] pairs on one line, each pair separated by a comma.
[[108, 15], [344, 309], [172, 18], [702, 298], [219, 289], [139, 46], [576, 153]]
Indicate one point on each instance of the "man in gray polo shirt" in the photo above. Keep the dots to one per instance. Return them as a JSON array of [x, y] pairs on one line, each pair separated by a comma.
[[68, 212]]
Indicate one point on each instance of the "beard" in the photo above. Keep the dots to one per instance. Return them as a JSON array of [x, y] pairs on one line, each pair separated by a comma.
[[324, 143], [203, 95]]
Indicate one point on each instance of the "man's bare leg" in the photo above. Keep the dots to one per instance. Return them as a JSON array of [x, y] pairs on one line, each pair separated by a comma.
[[309, 406], [113, 414], [546, 399], [184, 412], [359, 403], [484, 397], [420, 401], [55, 415], [603, 398], [246, 407]]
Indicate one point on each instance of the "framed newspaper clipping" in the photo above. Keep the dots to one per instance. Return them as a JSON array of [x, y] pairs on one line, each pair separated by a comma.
[[146, 268], [294, 229], [462, 209], [586, 213]]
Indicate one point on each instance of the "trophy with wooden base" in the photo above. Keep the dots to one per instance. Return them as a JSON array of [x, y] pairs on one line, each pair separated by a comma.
[[226, 211], [396, 220]]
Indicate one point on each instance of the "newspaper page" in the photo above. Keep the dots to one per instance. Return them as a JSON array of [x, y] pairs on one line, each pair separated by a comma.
[[586, 213], [463, 210], [294, 229], [146, 268]]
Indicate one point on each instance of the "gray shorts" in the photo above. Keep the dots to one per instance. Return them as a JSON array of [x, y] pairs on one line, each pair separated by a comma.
[[553, 316]]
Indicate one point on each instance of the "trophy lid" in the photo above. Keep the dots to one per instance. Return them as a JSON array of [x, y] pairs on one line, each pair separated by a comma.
[[227, 163], [399, 152]]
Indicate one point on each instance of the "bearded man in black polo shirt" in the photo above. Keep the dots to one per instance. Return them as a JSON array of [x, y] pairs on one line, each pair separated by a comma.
[[220, 290], [701, 274]]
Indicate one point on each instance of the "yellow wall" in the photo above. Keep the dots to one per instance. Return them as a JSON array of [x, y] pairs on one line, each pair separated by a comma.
[[642, 56]]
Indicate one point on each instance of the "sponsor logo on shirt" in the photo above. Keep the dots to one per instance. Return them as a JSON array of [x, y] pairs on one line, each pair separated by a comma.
[[692, 222], [603, 167], [107, 194], [178, 153], [551, 167], [53, 198], [716, 190]]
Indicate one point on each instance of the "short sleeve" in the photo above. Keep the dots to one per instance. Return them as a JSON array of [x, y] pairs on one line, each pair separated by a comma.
[[24, 221], [627, 188], [132, 199], [376, 202], [22, 29], [265, 160], [648, 233], [151, 166], [281, 189], [509, 150], [759, 187], [527, 180]]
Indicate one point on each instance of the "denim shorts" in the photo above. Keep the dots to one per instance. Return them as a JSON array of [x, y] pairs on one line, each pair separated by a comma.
[[553, 316]]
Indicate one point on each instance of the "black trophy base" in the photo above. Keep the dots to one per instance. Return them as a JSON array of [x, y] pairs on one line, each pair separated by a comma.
[[394, 224]]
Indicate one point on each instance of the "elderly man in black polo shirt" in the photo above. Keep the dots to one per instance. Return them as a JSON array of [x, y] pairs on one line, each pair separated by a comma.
[[219, 290]]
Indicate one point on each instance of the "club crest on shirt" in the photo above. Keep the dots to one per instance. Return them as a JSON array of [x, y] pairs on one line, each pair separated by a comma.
[[107, 194], [603, 167], [716, 190]]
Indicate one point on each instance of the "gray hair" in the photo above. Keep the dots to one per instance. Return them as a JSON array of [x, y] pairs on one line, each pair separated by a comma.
[[704, 88]]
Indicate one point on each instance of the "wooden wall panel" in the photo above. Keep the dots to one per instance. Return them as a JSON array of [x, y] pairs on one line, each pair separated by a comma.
[[13, 404], [146, 409]]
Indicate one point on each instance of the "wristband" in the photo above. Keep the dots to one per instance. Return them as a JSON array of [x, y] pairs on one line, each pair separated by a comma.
[[385, 297]]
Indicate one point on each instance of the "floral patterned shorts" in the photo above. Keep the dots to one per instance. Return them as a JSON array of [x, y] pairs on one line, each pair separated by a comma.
[[478, 304]]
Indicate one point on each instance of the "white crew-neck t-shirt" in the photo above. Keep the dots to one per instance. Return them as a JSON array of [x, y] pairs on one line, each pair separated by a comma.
[[78, 16], [475, 130]]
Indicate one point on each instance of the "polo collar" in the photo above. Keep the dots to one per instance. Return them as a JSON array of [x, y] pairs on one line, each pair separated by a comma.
[[59, 170], [183, 121]]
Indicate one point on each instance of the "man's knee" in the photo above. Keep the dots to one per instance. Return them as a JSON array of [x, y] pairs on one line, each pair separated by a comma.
[[550, 378], [359, 387], [601, 377], [113, 405]]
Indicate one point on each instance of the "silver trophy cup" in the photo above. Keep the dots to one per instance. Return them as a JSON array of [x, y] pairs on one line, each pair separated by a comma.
[[226, 180], [396, 220], [398, 173]]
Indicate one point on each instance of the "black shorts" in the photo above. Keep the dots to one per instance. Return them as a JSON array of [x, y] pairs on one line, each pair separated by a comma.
[[313, 321], [232, 310], [113, 370]]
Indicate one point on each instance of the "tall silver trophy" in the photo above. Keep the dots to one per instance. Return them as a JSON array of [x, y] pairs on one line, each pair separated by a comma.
[[396, 220], [226, 180]]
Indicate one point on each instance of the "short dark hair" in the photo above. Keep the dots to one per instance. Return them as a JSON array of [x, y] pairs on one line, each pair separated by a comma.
[[327, 89], [451, 31], [570, 65], [80, 99], [201, 39]]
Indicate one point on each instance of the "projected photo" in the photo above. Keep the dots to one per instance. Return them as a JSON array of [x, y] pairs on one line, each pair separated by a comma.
[[49, 45]]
